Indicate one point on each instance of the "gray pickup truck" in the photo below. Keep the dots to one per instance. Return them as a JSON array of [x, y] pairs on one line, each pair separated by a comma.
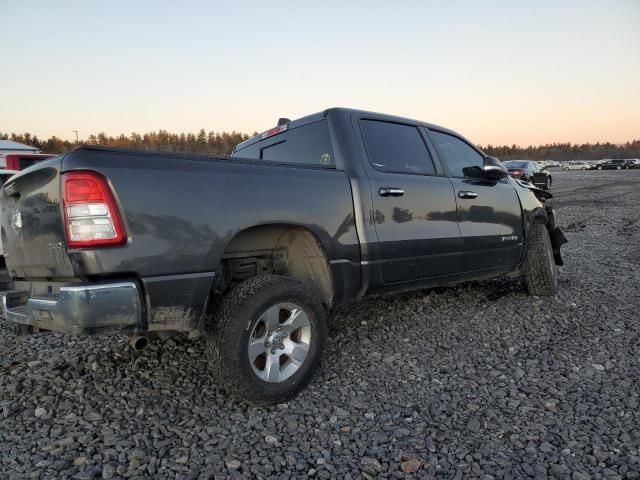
[[253, 251]]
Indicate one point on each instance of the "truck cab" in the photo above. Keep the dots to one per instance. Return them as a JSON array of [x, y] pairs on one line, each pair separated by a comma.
[[414, 203]]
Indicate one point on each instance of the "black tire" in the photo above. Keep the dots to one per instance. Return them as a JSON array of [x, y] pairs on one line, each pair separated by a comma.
[[599, 167], [230, 331], [547, 184], [540, 271]]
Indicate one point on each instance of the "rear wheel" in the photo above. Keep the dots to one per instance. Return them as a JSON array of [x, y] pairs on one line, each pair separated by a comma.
[[599, 167], [618, 167], [267, 338], [540, 271], [547, 184]]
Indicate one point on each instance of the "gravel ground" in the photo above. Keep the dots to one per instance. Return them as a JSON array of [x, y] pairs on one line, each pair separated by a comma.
[[479, 381]]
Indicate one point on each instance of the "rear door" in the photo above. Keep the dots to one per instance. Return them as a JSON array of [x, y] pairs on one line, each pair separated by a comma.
[[414, 204], [489, 213]]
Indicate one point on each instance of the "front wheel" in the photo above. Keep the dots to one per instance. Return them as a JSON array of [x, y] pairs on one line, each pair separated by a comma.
[[540, 271], [547, 184], [618, 167], [599, 168], [267, 338]]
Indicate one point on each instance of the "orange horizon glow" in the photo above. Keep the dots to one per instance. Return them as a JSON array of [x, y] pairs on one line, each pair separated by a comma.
[[498, 72]]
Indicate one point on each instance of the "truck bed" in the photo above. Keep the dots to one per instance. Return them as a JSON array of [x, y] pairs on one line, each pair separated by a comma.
[[180, 212]]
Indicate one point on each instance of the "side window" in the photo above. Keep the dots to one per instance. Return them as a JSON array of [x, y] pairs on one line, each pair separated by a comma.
[[309, 145], [396, 148], [456, 153]]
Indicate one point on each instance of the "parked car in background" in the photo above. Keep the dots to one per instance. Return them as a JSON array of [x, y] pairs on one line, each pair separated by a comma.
[[616, 164], [20, 161], [254, 250], [575, 165], [529, 171], [591, 165]]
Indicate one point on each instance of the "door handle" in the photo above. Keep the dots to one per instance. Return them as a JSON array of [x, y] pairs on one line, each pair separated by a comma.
[[391, 192], [467, 194]]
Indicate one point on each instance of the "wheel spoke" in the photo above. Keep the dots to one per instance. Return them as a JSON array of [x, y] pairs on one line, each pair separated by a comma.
[[272, 369], [297, 319], [297, 352], [256, 347], [271, 317]]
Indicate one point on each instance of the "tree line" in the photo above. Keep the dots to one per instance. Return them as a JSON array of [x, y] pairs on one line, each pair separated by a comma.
[[212, 143], [222, 143], [566, 151]]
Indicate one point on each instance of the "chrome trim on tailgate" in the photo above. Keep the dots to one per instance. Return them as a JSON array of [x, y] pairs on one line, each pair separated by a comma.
[[76, 308]]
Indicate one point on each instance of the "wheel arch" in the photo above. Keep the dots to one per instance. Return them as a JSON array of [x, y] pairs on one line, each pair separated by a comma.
[[282, 248]]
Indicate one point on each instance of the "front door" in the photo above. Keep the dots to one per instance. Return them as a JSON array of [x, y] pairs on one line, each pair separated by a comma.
[[414, 207], [489, 212]]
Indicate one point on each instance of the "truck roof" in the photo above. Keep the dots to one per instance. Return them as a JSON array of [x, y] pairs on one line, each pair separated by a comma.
[[314, 117]]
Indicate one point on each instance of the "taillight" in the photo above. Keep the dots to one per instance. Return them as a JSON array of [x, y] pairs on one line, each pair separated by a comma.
[[90, 212], [517, 173]]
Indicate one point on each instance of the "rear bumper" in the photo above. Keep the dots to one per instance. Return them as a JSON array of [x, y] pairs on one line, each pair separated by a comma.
[[77, 308]]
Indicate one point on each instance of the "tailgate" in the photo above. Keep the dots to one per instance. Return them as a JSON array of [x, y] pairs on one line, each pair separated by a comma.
[[31, 221]]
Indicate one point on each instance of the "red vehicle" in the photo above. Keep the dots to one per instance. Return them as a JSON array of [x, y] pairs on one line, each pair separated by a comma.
[[20, 161]]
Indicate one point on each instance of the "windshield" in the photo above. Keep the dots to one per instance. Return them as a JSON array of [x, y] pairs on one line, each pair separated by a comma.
[[515, 164]]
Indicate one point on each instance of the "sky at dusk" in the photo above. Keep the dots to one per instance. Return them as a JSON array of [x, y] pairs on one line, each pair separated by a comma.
[[499, 72]]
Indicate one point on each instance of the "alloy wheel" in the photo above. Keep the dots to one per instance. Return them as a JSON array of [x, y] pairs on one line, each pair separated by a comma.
[[279, 342]]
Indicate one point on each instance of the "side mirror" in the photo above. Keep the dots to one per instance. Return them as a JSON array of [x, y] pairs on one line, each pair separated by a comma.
[[492, 169]]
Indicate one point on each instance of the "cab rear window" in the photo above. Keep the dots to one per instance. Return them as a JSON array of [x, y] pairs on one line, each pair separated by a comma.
[[308, 144]]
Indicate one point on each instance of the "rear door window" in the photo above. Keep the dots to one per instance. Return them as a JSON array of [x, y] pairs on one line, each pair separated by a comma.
[[396, 148]]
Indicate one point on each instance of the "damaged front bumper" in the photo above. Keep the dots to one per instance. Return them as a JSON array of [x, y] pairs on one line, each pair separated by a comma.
[[555, 235], [76, 308], [557, 240]]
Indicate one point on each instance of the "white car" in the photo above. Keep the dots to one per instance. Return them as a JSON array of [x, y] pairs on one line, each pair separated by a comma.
[[576, 165]]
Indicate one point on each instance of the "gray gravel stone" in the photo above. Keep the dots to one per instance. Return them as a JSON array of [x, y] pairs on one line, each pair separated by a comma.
[[233, 464], [476, 381]]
